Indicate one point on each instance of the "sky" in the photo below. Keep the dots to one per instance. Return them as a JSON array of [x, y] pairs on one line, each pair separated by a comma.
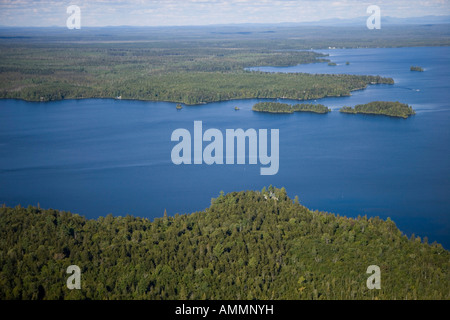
[[96, 13]]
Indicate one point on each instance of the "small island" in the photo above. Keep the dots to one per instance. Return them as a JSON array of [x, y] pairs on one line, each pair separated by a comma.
[[347, 63], [277, 107], [179, 106], [236, 108], [332, 64], [416, 68], [387, 108]]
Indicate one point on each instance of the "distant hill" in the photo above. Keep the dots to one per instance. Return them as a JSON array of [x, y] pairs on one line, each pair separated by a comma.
[[430, 19], [384, 20]]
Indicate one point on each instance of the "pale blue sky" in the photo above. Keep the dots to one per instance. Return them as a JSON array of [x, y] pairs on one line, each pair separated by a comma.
[[204, 12]]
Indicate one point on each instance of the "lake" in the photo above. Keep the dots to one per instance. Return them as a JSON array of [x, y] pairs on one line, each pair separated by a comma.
[[100, 156]]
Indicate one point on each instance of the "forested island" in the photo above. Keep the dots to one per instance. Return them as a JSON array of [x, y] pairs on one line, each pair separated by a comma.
[[277, 107], [416, 68], [387, 108], [246, 245]]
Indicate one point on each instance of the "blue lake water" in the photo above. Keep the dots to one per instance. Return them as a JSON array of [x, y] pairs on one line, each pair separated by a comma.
[[100, 156]]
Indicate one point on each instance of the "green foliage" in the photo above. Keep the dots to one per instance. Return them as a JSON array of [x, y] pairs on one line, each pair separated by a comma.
[[246, 245], [277, 107], [388, 108], [164, 65], [416, 68], [157, 71]]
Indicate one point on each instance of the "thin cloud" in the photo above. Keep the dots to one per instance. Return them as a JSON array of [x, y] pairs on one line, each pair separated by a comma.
[[204, 12]]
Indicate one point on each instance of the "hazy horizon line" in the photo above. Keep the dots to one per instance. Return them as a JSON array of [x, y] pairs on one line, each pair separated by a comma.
[[343, 22]]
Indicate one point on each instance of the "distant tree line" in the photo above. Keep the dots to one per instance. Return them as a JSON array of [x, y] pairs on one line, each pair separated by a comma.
[[188, 73]]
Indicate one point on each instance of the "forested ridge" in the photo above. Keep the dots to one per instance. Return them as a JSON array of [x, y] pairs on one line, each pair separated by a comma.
[[246, 245]]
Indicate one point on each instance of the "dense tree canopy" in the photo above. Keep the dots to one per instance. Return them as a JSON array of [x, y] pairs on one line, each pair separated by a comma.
[[416, 68], [247, 245], [183, 71], [277, 107], [387, 108]]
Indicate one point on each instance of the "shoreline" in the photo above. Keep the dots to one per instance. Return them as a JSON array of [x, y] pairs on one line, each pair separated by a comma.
[[197, 104]]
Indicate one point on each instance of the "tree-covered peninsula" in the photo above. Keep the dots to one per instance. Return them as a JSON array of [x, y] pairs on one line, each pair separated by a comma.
[[387, 108], [278, 107], [246, 245]]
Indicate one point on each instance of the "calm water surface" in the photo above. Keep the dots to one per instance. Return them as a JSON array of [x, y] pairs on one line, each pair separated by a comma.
[[95, 156]]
